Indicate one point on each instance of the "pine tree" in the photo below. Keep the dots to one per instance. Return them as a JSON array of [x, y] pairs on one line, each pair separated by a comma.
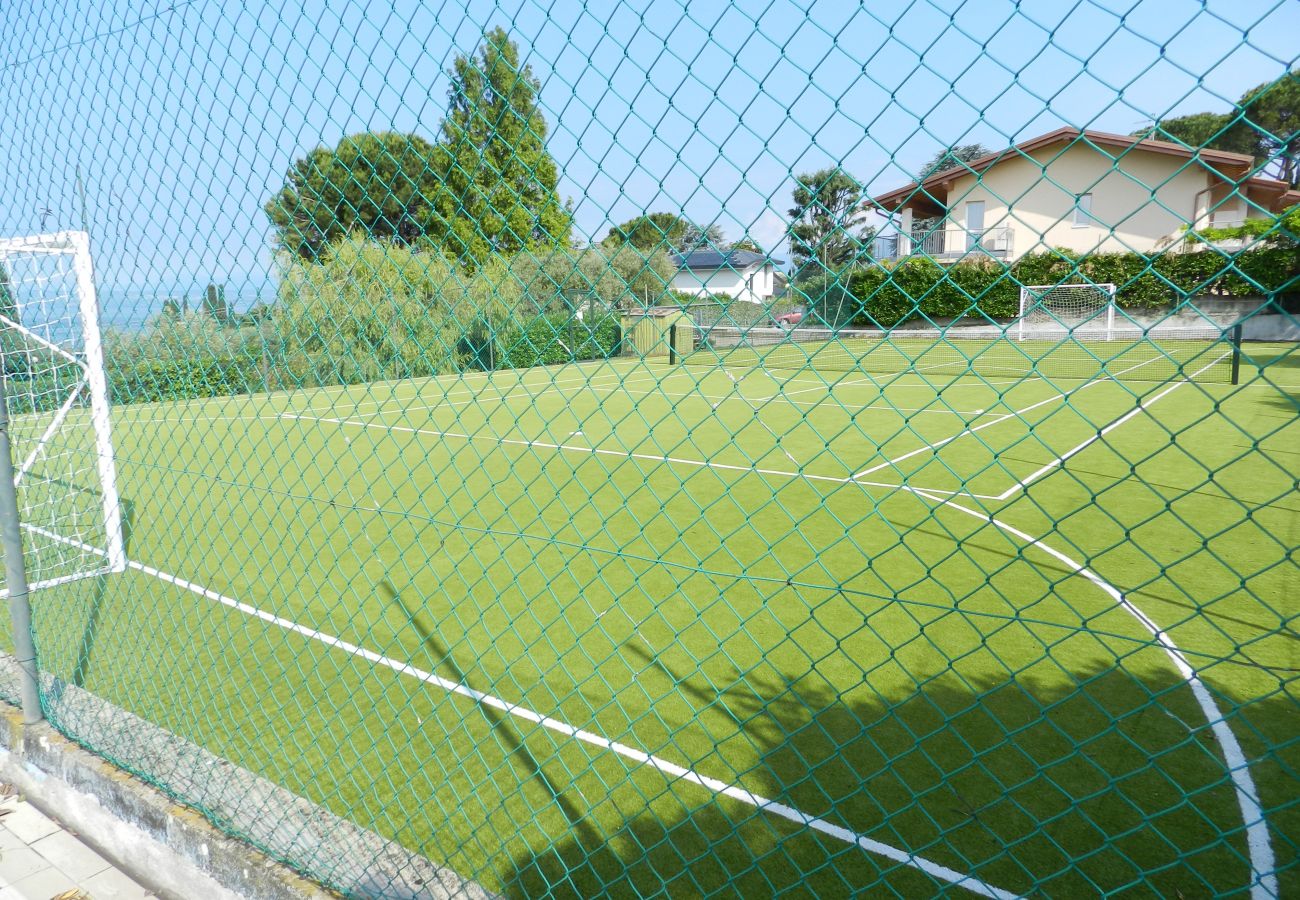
[[500, 181]]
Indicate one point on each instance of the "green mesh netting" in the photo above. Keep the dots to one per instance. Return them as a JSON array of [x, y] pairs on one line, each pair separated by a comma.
[[652, 448]]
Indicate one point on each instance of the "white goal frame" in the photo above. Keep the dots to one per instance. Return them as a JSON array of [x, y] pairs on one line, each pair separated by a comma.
[[89, 358], [1031, 296]]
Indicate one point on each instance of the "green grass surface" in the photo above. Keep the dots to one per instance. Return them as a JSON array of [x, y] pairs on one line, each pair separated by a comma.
[[681, 559], [1204, 355]]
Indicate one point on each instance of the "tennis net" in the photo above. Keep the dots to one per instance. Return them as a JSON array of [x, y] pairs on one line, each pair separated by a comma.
[[1203, 353]]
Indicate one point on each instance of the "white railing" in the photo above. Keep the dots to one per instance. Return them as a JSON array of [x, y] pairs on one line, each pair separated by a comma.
[[948, 243]]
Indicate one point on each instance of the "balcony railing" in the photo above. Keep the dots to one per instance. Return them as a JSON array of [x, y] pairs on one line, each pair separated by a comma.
[[949, 243]]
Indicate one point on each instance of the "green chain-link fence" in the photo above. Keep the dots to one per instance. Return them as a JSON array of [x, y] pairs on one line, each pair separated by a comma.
[[654, 448]]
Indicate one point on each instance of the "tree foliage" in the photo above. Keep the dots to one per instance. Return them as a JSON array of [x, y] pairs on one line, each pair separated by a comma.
[[952, 158], [1218, 131], [489, 186], [1272, 112], [378, 184], [665, 231], [501, 182], [652, 231], [702, 237], [1265, 124], [828, 229]]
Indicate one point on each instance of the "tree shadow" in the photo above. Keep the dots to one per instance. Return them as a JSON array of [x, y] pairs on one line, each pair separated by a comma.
[[99, 586], [1060, 784], [585, 835]]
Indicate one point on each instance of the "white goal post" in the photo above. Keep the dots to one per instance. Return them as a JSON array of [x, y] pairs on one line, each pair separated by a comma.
[[1066, 310], [56, 394]]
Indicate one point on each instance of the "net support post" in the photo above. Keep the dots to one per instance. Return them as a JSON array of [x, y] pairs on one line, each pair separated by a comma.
[[20, 608], [672, 344], [98, 385], [1236, 353]]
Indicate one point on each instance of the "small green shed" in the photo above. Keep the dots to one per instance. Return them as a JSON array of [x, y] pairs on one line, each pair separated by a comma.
[[648, 332]]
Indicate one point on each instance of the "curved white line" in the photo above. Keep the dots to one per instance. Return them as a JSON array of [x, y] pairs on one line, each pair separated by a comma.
[[1262, 864]]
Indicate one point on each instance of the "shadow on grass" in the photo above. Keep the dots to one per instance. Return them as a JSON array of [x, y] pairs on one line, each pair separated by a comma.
[[502, 724], [1070, 785], [86, 646]]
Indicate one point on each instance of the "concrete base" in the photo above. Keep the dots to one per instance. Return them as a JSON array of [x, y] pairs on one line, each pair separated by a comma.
[[175, 849], [170, 849]]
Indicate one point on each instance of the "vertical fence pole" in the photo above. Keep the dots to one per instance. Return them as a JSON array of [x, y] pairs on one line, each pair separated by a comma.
[[672, 344], [20, 610]]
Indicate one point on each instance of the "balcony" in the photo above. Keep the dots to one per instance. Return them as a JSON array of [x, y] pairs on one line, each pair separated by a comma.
[[947, 244]]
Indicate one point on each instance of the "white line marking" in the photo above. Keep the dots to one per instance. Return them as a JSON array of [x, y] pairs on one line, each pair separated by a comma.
[[734, 791], [1262, 863], [930, 448], [622, 454], [485, 393], [989, 424], [1142, 406]]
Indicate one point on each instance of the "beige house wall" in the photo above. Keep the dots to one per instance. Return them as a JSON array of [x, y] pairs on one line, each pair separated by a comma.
[[1138, 203]]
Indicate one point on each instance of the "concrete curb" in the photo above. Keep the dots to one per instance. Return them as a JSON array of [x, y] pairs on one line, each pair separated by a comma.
[[169, 848]]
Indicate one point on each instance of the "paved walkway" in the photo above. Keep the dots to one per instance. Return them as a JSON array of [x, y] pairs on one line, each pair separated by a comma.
[[42, 860]]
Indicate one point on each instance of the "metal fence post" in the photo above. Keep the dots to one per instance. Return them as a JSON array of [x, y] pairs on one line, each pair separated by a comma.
[[20, 610]]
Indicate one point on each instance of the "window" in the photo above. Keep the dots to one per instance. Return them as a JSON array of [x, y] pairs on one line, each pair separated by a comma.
[[974, 223], [1083, 211]]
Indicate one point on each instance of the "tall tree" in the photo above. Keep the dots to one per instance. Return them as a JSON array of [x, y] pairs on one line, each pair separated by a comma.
[[952, 158], [1272, 112], [378, 184], [500, 179], [702, 237], [652, 231], [747, 243], [828, 228]]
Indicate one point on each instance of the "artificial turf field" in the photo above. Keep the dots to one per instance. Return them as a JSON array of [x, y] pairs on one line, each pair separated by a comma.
[[825, 629]]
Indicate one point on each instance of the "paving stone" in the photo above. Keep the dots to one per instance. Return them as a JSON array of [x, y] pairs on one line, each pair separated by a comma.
[[70, 855], [17, 864], [111, 884], [9, 840], [29, 823], [45, 884]]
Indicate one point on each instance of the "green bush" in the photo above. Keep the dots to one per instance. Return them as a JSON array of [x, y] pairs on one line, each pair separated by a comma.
[[555, 339], [181, 379], [885, 296]]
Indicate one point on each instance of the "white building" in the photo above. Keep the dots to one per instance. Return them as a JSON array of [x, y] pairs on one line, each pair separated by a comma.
[[740, 274]]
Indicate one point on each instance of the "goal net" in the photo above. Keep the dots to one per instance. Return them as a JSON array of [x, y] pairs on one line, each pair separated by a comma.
[[1066, 310], [56, 396]]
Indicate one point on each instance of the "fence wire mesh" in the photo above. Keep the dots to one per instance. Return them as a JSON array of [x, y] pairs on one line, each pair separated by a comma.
[[645, 448]]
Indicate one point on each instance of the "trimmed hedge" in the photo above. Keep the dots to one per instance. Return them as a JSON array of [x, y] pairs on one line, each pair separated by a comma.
[[182, 379], [886, 296], [555, 339]]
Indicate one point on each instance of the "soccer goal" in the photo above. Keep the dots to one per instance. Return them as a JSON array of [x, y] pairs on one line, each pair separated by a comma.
[[56, 398], [1066, 310]]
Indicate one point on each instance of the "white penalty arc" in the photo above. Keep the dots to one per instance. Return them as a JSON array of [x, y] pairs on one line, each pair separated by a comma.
[[1264, 884]]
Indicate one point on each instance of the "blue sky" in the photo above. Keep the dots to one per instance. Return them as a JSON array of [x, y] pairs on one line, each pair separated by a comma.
[[183, 116]]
